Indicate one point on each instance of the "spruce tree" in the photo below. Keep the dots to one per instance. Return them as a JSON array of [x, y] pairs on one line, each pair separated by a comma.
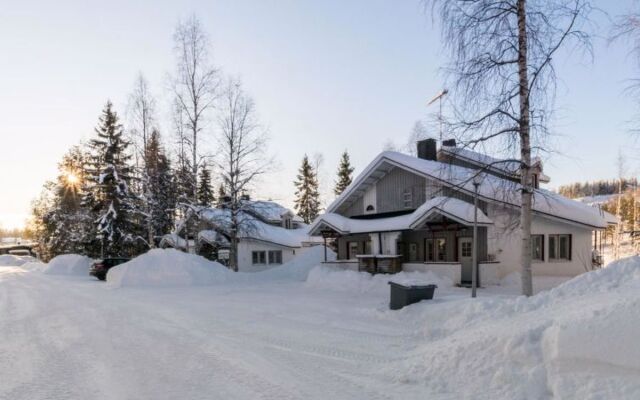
[[345, 174], [206, 197], [307, 201], [109, 176], [161, 191]]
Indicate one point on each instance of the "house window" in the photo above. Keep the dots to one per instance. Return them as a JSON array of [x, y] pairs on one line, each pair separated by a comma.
[[367, 247], [275, 256], [429, 254], [441, 249], [537, 247], [407, 198], [370, 208], [258, 257], [465, 249], [352, 250], [559, 247]]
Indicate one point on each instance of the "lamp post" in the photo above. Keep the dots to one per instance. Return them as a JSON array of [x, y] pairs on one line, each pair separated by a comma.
[[477, 180]]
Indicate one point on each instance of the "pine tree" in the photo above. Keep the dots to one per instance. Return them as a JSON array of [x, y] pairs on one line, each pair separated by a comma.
[[307, 201], [206, 197], [345, 174], [110, 174]]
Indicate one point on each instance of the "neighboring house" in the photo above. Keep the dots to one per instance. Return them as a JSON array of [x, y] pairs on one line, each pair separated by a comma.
[[416, 213], [270, 235]]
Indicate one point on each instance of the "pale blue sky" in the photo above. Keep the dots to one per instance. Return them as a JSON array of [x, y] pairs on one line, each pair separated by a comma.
[[326, 75]]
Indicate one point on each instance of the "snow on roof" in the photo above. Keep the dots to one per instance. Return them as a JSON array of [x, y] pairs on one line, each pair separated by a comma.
[[270, 211], [455, 209], [253, 228], [492, 188], [509, 167]]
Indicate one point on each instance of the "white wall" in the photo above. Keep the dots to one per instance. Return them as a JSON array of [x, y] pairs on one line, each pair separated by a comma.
[[504, 242], [245, 247], [452, 271]]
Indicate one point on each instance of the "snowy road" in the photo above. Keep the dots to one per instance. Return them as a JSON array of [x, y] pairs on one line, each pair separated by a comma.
[[73, 338], [332, 337]]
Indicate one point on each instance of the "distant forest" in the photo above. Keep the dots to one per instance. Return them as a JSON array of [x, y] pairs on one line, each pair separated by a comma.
[[583, 189]]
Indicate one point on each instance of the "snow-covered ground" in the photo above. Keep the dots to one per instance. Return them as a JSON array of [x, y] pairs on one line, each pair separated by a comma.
[[304, 332]]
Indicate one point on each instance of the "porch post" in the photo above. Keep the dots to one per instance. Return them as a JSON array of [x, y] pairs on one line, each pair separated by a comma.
[[325, 248]]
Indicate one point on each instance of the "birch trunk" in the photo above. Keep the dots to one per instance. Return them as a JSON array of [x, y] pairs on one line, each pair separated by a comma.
[[525, 151]]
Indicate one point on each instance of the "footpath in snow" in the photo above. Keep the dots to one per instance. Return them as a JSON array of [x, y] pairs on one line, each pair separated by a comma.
[[170, 325]]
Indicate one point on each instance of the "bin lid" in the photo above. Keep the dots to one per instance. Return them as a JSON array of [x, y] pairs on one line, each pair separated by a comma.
[[412, 285]]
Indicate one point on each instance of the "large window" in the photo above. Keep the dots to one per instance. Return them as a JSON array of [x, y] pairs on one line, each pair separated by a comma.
[[352, 250], [559, 247], [466, 249], [428, 251], [537, 247], [258, 257], [275, 256], [441, 249]]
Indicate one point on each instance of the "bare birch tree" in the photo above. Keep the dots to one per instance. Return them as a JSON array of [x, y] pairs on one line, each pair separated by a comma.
[[141, 110], [195, 86], [241, 158], [503, 78]]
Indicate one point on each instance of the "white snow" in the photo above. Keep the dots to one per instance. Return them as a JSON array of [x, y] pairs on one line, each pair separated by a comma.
[[69, 264], [305, 332]]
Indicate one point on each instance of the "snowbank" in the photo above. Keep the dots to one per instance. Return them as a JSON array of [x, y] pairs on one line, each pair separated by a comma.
[[9, 260], [579, 340], [297, 269], [167, 268], [69, 264], [332, 278]]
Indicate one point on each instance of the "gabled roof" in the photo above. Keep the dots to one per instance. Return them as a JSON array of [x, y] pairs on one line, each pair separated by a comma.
[[270, 211], [455, 209], [492, 188]]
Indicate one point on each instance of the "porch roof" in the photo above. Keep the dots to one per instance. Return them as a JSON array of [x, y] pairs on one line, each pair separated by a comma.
[[455, 209]]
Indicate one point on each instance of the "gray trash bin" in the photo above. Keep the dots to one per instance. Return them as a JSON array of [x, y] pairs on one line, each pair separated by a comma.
[[403, 295]]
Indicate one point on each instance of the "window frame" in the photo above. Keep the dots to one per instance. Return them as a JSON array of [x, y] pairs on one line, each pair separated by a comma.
[[259, 255], [275, 257], [533, 246], [555, 249], [407, 198], [357, 249], [429, 252]]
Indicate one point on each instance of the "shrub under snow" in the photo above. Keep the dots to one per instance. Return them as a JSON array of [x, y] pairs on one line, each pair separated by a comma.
[[167, 268], [69, 264]]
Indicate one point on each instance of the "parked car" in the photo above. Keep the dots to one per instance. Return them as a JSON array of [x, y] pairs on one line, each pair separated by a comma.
[[99, 269]]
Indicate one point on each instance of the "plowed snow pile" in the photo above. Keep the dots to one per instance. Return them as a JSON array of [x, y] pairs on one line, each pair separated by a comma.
[[167, 268], [580, 340], [69, 264]]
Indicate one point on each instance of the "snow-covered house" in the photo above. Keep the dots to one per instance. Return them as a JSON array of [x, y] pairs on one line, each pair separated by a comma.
[[270, 235], [416, 213]]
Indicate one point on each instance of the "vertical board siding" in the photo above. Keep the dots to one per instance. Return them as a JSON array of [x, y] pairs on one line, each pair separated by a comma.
[[390, 190]]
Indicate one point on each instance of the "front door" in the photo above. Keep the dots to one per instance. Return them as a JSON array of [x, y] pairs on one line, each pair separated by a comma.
[[465, 246]]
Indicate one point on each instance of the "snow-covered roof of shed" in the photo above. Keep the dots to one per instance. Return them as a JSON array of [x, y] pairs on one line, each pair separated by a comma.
[[451, 208], [255, 229], [492, 188]]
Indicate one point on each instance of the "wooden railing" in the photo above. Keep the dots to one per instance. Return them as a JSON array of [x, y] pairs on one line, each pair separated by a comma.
[[380, 263]]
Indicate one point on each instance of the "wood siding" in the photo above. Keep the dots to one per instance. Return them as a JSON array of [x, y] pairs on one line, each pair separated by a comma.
[[391, 188]]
